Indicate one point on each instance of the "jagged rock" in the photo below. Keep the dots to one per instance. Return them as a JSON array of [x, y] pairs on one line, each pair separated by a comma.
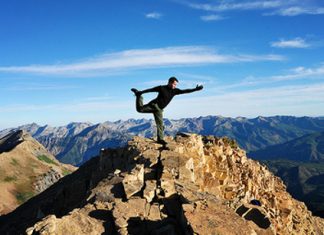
[[255, 214], [134, 182], [11, 140], [47, 179], [154, 213], [79, 221], [125, 211], [151, 157], [167, 184], [149, 191], [199, 185]]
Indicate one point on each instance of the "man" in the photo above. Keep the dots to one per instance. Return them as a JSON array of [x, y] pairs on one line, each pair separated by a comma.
[[156, 106]]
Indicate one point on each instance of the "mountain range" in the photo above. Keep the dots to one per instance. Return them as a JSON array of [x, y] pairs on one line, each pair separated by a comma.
[[76, 143], [308, 148]]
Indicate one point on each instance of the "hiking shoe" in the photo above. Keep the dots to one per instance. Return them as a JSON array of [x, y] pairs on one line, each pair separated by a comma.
[[163, 142], [136, 92]]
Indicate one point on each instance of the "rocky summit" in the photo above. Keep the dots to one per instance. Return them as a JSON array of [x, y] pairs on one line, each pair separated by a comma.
[[194, 185]]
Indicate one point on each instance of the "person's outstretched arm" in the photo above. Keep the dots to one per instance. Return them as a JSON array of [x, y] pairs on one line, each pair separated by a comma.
[[198, 88], [154, 89]]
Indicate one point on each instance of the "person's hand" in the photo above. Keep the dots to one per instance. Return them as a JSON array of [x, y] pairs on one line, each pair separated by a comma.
[[199, 87]]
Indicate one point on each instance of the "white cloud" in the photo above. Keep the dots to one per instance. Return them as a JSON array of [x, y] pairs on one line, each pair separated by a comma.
[[153, 15], [293, 43], [298, 10], [141, 59], [277, 7], [301, 72], [212, 18], [230, 6]]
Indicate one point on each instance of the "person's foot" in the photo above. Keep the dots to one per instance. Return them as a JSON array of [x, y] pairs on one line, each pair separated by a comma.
[[136, 92], [163, 142]]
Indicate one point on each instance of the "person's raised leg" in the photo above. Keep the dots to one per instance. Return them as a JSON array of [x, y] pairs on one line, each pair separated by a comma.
[[139, 100], [139, 103]]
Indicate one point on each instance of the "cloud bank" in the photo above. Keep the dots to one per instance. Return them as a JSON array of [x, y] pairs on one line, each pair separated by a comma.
[[141, 59], [275, 7]]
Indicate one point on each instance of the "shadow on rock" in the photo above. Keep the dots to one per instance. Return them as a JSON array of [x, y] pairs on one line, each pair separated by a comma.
[[107, 217]]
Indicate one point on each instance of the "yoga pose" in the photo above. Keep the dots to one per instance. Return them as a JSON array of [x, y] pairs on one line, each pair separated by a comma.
[[156, 106]]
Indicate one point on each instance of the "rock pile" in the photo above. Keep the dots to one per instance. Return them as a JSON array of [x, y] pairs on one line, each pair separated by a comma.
[[45, 180], [197, 185]]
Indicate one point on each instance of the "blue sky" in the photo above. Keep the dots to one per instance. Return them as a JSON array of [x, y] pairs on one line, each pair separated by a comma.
[[64, 61]]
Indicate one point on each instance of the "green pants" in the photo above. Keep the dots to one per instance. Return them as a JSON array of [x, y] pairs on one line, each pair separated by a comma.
[[157, 112]]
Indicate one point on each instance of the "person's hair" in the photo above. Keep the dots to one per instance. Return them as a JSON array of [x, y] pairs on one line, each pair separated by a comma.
[[172, 79]]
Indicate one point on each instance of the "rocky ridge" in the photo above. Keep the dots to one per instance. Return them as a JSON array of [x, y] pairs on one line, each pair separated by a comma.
[[197, 185], [26, 169]]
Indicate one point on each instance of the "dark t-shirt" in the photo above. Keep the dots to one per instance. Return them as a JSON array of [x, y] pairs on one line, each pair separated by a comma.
[[166, 94]]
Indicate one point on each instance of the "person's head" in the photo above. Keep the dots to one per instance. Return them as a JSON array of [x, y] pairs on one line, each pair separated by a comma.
[[172, 83]]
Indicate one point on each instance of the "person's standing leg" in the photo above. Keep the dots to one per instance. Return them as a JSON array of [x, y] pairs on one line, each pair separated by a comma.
[[157, 112], [158, 117]]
